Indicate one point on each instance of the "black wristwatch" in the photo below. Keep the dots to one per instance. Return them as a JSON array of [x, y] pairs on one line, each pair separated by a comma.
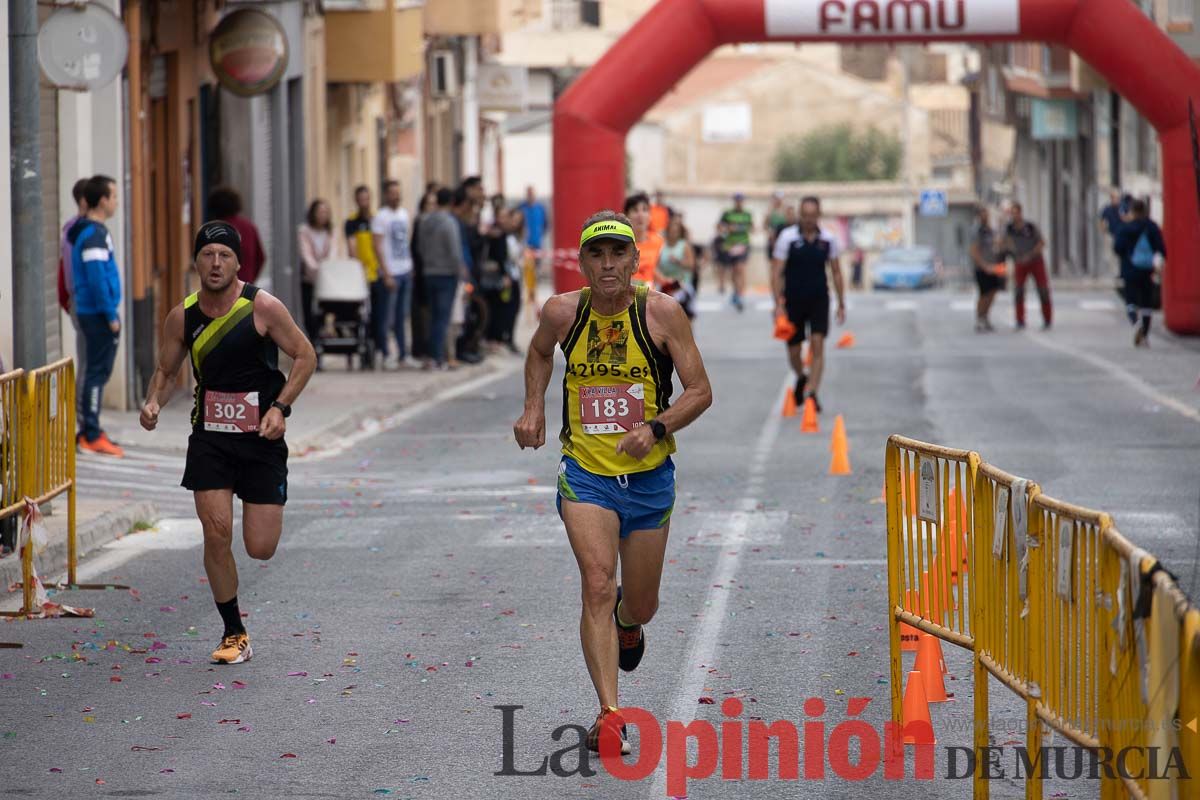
[[284, 408], [658, 429]]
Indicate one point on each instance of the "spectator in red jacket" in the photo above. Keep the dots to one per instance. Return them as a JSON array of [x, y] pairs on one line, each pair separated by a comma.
[[226, 204]]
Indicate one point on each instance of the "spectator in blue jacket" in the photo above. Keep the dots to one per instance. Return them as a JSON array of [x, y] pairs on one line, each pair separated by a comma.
[[1139, 244], [97, 282]]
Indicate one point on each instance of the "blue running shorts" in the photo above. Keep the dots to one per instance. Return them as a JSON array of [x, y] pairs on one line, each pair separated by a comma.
[[642, 501]]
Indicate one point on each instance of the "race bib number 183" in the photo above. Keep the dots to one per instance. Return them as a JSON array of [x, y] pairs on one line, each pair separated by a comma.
[[612, 409], [231, 412]]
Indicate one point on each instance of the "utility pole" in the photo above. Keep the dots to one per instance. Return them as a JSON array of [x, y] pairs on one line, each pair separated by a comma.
[[25, 176], [908, 219], [470, 107]]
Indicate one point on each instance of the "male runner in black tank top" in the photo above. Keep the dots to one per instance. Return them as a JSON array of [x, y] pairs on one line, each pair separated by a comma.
[[232, 332]]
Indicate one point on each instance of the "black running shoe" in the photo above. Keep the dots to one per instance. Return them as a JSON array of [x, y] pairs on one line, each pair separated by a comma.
[[631, 641], [798, 392], [816, 403]]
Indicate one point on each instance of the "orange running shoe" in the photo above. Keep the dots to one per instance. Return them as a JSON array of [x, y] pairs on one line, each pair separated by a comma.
[[234, 649], [102, 445], [610, 718]]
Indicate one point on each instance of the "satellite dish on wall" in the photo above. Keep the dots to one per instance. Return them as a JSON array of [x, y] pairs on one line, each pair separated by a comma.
[[82, 47]]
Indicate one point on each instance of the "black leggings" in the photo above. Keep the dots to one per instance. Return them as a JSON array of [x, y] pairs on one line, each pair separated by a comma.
[[1139, 297]]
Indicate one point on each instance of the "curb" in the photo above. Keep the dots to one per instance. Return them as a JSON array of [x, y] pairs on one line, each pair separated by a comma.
[[88, 536]]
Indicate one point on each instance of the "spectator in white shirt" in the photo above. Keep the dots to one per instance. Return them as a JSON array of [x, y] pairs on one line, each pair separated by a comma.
[[391, 229]]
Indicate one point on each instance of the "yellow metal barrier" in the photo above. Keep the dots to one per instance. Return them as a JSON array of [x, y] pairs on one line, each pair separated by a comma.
[[1004, 639], [37, 457], [929, 495], [1089, 631], [13, 429], [52, 442]]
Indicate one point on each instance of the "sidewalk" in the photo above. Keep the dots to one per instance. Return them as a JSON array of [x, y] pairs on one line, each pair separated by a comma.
[[335, 405]]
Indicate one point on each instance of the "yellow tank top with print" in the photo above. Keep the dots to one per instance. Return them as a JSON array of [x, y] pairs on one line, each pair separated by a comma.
[[616, 379]]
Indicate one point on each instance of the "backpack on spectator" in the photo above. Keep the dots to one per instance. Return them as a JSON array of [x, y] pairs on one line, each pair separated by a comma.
[[1142, 256]]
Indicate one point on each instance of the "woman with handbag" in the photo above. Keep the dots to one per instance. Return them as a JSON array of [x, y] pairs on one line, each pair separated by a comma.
[[989, 270]]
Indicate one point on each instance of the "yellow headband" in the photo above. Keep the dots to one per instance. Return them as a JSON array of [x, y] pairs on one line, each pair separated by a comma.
[[607, 229]]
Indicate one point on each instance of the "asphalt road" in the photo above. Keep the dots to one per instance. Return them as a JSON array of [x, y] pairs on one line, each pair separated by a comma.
[[424, 578]]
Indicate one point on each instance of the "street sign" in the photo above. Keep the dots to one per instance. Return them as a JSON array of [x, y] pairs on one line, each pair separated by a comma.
[[82, 47], [934, 203], [503, 87], [1051, 120]]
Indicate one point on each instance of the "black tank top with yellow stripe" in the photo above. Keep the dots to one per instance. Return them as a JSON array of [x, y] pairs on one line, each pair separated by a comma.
[[230, 355]]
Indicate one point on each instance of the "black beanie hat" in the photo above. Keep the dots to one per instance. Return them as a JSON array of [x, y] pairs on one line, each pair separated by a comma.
[[218, 232]]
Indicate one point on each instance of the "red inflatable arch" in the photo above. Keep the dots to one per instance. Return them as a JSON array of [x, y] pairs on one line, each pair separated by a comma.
[[1138, 60]]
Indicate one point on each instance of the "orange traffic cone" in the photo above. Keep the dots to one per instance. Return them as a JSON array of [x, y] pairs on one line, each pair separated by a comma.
[[808, 422], [908, 634], [847, 340], [908, 490], [915, 712], [840, 465], [956, 511], [931, 607], [937, 660], [931, 665], [789, 403], [940, 586]]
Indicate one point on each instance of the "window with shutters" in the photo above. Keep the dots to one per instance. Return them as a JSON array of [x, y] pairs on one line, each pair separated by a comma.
[[589, 13], [1181, 16]]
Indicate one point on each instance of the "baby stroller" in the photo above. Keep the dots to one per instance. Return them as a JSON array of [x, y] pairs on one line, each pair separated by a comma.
[[342, 306]]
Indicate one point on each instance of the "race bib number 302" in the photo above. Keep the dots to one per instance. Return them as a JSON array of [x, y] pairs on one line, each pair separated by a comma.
[[612, 409], [231, 412]]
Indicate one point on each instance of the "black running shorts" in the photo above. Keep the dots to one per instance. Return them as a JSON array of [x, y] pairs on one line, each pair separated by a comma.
[[253, 467], [988, 281], [811, 312]]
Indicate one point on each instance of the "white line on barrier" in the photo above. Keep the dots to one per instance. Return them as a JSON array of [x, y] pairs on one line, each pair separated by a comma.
[[348, 441]]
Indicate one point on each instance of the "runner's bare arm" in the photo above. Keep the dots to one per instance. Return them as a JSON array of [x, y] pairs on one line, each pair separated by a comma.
[[777, 282], [171, 353], [557, 313], [665, 314], [277, 323], [839, 288]]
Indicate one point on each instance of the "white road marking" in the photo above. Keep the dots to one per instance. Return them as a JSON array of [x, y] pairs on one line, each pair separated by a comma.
[[901, 305], [1148, 520], [374, 427], [962, 305], [505, 492], [704, 642], [1121, 374], [96, 566], [1097, 305]]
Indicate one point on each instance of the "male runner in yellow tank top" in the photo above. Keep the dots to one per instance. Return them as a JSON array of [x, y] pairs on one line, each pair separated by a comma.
[[616, 481]]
